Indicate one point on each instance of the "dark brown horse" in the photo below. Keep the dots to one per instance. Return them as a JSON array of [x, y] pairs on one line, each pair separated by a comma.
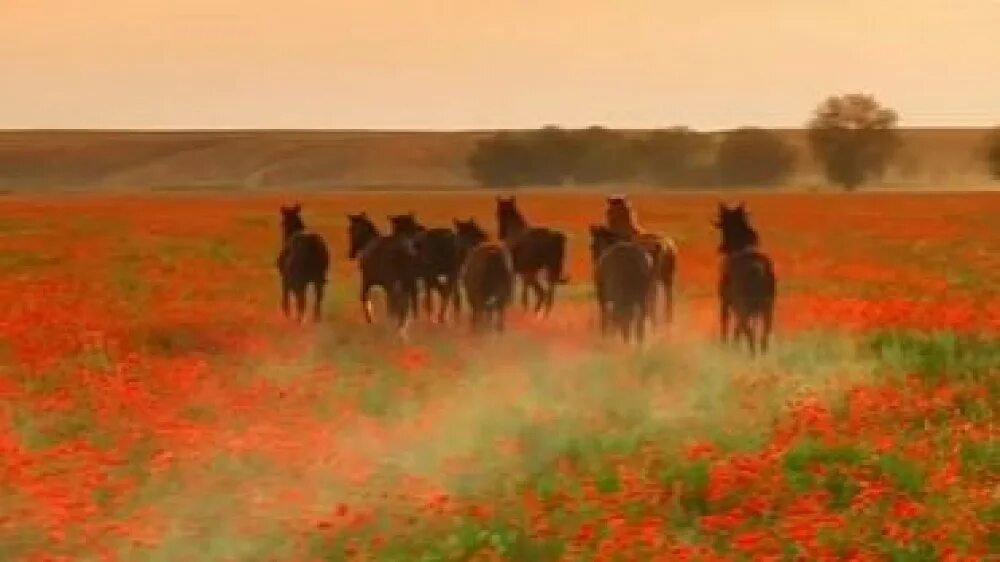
[[389, 262], [303, 259], [438, 253], [747, 283], [487, 275], [623, 272], [621, 219], [534, 250]]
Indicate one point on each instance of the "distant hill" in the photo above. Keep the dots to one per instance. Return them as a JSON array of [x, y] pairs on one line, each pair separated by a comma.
[[39, 160]]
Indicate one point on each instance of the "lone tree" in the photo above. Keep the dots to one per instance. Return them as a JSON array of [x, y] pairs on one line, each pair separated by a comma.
[[993, 153], [854, 137], [752, 156]]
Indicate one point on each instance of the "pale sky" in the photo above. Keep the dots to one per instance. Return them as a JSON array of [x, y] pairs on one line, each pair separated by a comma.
[[477, 64]]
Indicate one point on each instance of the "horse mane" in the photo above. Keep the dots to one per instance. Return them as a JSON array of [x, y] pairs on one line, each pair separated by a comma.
[[738, 237], [511, 217], [622, 219]]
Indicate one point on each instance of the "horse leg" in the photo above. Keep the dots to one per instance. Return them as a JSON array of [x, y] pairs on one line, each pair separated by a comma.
[[430, 284], [474, 321], [750, 332], [445, 292], [668, 294], [285, 294], [411, 297], [366, 303], [743, 331], [604, 317], [551, 298], [639, 315], [499, 312], [456, 296], [621, 313], [767, 320], [318, 287], [300, 302], [405, 298], [651, 298], [724, 320], [539, 291]]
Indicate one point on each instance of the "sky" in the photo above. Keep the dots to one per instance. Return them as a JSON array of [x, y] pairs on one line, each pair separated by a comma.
[[478, 64]]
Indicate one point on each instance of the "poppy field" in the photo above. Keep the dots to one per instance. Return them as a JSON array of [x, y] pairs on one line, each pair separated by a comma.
[[156, 405]]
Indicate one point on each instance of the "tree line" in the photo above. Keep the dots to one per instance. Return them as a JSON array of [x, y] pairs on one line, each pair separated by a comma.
[[853, 136]]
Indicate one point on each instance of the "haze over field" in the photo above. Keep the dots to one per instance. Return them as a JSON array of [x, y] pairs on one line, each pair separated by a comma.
[[455, 64]]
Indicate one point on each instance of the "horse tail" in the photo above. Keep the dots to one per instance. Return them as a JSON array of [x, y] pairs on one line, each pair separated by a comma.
[[760, 282], [556, 274], [322, 258], [497, 277]]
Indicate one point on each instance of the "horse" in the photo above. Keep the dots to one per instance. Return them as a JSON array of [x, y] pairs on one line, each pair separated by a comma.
[[390, 262], [747, 283], [533, 250], [623, 272], [303, 259], [621, 219], [487, 275], [438, 253]]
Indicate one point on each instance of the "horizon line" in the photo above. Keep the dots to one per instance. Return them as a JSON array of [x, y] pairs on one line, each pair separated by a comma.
[[438, 131]]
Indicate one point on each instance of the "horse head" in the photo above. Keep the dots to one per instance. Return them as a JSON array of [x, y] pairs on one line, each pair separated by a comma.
[[360, 231]]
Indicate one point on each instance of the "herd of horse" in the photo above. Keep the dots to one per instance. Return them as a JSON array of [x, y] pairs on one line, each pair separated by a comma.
[[631, 266]]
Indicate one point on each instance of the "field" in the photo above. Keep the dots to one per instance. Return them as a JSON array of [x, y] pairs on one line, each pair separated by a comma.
[[154, 404], [235, 160]]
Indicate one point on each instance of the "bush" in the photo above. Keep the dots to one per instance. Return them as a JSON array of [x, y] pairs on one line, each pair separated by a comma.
[[675, 157], [751, 156]]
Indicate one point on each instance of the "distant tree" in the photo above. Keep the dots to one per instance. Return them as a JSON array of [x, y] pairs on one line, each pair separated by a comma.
[[502, 160], [555, 153], [603, 155], [752, 156], [993, 153], [854, 137], [676, 156]]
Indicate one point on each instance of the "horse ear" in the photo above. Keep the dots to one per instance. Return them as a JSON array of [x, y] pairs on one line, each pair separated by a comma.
[[296, 207], [594, 229], [741, 206]]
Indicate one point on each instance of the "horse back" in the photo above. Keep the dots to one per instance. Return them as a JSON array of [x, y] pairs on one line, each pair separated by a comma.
[[624, 271], [538, 247], [304, 255], [748, 278], [439, 250], [488, 271], [388, 259]]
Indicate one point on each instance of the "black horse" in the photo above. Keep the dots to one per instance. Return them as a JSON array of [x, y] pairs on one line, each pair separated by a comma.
[[534, 250], [438, 253], [390, 262], [623, 273], [487, 275], [747, 284], [304, 259]]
